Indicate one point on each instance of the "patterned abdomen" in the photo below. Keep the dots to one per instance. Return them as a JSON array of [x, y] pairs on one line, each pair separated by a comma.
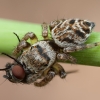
[[71, 32]]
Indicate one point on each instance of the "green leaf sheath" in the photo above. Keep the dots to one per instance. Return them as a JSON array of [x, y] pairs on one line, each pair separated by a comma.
[[8, 40]]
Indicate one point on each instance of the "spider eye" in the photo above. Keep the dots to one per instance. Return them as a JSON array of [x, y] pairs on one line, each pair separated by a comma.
[[72, 21], [18, 72], [87, 23]]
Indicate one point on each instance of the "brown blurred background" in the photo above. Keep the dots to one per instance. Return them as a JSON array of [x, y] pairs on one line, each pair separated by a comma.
[[84, 84]]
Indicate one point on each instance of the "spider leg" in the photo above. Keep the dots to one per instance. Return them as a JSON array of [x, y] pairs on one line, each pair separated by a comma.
[[49, 76], [45, 31], [66, 57], [58, 69], [80, 47], [23, 44]]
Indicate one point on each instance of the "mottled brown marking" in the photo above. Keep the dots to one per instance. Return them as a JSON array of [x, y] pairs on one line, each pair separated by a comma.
[[68, 40], [62, 36], [56, 30], [83, 26], [87, 31]]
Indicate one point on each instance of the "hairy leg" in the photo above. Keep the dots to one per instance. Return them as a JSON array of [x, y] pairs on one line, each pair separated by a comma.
[[80, 47], [59, 70], [45, 31], [23, 44], [66, 57], [49, 76]]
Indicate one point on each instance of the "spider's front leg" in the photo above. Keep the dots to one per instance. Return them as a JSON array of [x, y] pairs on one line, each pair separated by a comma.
[[23, 44], [66, 57], [47, 78], [59, 70], [49, 74]]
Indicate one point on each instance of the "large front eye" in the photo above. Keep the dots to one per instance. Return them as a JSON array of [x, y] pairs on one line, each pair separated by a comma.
[[18, 72], [87, 23], [72, 21]]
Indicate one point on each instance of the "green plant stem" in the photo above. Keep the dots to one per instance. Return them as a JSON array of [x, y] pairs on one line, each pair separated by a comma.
[[8, 40]]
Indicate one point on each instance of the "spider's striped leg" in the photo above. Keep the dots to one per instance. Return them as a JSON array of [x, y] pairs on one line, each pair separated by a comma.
[[59, 70], [80, 47], [48, 77], [49, 74], [23, 44], [66, 57], [45, 31]]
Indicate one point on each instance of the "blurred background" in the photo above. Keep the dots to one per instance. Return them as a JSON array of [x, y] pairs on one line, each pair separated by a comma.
[[84, 81]]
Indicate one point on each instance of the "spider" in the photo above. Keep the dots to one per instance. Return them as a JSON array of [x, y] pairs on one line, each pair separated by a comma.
[[37, 63], [70, 34]]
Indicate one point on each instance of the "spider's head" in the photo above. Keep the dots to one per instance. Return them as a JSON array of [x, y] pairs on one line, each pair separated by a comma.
[[88, 25], [82, 25]]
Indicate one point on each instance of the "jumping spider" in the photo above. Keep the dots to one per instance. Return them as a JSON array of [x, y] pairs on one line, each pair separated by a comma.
[[39, 60]]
